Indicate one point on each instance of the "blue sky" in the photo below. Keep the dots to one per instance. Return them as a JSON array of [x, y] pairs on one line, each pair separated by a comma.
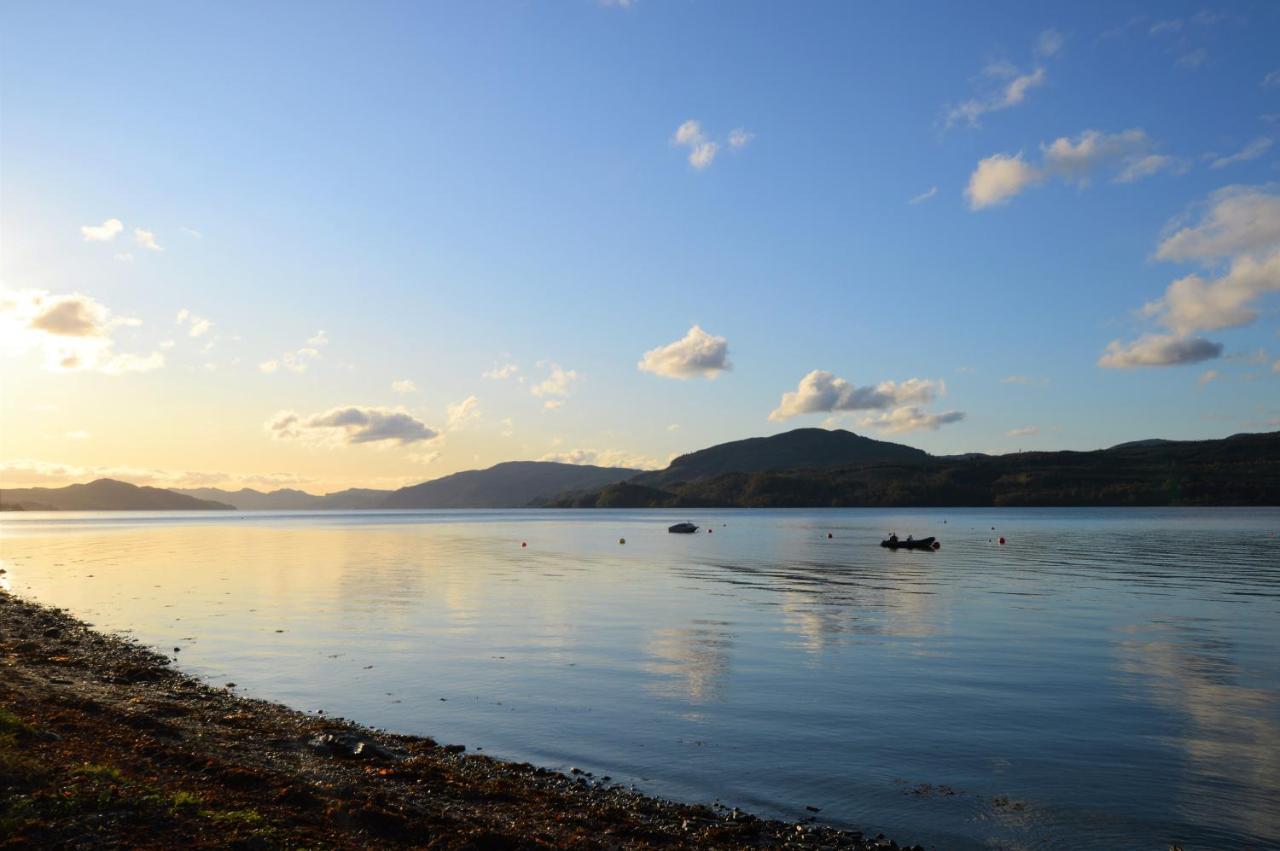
[[444, 189]]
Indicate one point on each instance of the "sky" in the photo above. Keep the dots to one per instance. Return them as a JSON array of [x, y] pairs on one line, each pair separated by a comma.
[[330, 245]]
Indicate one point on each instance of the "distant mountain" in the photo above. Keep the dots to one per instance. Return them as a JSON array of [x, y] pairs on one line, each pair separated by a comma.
[[793, 450], [288, 499], [1243, 469], [514, 484], [1142, 444], [104, 495]]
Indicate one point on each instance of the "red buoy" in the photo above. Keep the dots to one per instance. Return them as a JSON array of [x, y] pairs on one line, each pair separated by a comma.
[[708, 531], [1002, 539], [828, 536], [526, 543]]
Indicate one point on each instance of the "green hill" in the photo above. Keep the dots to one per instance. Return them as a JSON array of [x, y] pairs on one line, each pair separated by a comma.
[[1240, 470], [513, 484], [792, 450]]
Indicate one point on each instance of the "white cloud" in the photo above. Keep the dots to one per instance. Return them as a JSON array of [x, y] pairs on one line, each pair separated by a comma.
[[740, 137], [1024, 431], [404, 387], [72, 332], [1271, 80], [146, 239], [1237, 240], [997, 179], [192, 232], [1208, 376], [696, 354], [1000, 177], [558, 383], [1168, 27], [822, 392], [1023, 379], [1251, 151], [1237, 220], [464, 413], [924, 196], [673, 427], [1159, 350], [604, 458], [501, 372], [352, 424], [78, 434], [1049, 43], [1078, 160], [197, 326], [1240, 225], [553, 404], [124, 257], [702, 151], [910, 418], [320, 338], [104, 232]]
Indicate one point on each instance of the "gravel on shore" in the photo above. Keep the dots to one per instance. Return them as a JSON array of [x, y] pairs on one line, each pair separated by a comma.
[[104, 744]]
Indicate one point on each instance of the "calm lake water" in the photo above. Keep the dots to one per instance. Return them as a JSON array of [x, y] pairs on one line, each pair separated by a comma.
[[1107, 679]]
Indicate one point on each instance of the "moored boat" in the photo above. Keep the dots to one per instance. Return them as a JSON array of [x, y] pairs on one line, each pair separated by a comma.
[[683, 528], [929, 543]]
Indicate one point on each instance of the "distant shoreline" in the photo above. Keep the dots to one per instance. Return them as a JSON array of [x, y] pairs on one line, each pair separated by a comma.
[[102, 737]]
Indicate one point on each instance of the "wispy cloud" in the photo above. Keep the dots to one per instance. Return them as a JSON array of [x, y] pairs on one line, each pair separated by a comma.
[[197, 326], [146, 239], [556, 386], [463, 414], [404, 387], [1251, 151], [605, 458], [924, 196], [501, 372], [299, 359], [1003, 85], [1024, 431]]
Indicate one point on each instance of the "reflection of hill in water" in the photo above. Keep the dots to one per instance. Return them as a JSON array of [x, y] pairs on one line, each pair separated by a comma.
[[1231, 735]]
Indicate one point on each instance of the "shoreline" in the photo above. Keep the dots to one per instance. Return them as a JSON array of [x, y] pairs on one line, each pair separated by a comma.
[[103, 743]]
